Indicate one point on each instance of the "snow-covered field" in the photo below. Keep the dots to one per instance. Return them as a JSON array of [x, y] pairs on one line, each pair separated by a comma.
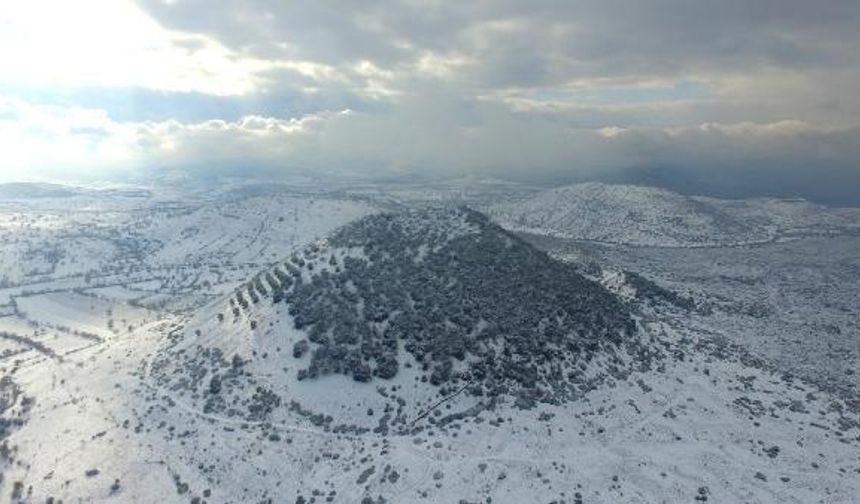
[[754, 399]]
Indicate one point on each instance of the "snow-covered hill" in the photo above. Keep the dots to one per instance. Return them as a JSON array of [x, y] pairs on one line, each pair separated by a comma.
[[257, 229], [423, 356], [431, 356], [650, 216], [429, 303]]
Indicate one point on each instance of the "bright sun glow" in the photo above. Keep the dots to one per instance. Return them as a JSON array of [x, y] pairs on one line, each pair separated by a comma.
[[113, 43]]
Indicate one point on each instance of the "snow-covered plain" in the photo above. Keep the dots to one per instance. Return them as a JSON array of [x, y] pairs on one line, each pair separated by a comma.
[[730, 414]]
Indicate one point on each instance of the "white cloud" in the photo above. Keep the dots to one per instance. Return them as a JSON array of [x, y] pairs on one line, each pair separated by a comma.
[[440, 87], [112, 43], [611, 131], [64, 139], [421, 136]]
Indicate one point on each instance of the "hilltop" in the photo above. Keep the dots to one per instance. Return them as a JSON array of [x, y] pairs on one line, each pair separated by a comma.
[[440, 301]]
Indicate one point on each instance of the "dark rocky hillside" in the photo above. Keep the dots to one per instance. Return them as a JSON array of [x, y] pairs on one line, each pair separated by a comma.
[[480, 306]]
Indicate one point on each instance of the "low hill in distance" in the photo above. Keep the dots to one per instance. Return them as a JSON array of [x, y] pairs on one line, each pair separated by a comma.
[[39, 190], [649, 216]]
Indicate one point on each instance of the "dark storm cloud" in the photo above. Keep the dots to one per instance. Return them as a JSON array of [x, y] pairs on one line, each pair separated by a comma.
[[676, 91], [540, 41], [760, 60]]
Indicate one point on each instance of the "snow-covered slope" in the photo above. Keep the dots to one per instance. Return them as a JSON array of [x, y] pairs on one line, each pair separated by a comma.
[[650, 216], [429, 303], [255, 229], [307, 383]]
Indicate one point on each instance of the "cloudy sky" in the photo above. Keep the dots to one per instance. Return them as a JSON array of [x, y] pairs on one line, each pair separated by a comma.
[[546, 91]]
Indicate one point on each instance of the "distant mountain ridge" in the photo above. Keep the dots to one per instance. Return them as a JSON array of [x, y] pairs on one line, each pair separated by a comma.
[[649, 216], [38, 190]]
